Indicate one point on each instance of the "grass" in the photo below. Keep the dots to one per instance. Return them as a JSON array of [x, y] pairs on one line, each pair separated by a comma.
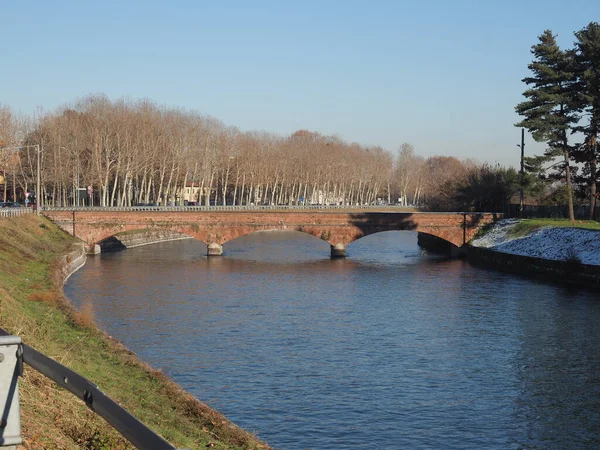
[[526, 226], [32, 305]]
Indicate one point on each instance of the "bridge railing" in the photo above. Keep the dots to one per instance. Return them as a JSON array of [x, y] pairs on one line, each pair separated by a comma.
[[373, 208], [13, 212], [130, 427], [224, 208]]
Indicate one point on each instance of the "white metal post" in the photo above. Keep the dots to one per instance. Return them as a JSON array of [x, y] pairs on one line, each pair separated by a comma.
[[10, 417]]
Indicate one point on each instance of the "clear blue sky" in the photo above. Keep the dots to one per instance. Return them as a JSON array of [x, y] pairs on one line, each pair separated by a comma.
[[443, 75]]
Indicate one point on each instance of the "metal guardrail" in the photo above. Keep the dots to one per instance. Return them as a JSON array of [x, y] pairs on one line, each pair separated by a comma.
[[13, 212], [131, 428]]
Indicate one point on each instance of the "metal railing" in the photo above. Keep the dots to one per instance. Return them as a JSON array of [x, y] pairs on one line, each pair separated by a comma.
[[341, 208], [13, 212], [227, 208], [131, 428]]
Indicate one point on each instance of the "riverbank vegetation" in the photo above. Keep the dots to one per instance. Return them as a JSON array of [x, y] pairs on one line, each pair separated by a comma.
[[32, 306]]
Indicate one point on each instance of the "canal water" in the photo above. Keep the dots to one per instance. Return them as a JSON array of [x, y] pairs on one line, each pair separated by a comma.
[[387, 349]]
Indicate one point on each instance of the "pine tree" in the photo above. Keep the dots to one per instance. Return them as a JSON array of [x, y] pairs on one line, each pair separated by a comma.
[[549, 113], [587, 60]]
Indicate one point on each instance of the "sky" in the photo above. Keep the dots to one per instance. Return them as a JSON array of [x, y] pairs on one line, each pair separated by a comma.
[[442, 75]]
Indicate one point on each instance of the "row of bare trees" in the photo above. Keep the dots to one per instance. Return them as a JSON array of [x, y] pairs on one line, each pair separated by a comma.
[[125, 153]]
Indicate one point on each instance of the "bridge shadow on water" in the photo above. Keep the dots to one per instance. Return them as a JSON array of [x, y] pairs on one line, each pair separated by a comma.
[[373, 222]]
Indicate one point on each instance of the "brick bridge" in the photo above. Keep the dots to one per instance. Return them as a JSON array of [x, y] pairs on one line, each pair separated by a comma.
[[215, 227]]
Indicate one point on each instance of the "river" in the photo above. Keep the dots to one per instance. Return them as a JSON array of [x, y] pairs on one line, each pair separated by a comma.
[[386, 349]]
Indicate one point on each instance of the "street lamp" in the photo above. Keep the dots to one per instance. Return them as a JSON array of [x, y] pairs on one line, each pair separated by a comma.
[[39, 197]]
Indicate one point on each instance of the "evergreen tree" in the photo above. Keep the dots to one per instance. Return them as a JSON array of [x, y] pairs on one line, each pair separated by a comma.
[[587, 60], [537, 181], [549, 113], [488, 188]]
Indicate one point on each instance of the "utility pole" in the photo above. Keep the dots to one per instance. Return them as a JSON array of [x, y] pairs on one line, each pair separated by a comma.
[[522, 146], [38, 192]]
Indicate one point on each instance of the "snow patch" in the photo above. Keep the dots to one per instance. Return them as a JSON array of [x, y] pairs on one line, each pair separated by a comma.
[[548, 242]]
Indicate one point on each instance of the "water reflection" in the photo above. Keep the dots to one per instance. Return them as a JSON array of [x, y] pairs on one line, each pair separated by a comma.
[[388, 345]]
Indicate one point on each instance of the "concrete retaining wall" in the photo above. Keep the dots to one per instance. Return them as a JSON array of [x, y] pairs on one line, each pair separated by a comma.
[[130, 240], [73, 261], [563, 271]]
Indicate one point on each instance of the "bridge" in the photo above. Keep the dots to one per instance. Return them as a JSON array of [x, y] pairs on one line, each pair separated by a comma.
[[217, 225]]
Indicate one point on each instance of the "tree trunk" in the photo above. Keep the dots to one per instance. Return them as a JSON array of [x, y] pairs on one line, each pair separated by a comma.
[[242, 189], [569, 184], [208, 190], [593, 193]]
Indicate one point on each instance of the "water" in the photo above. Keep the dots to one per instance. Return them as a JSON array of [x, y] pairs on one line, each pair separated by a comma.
[[387, 349]]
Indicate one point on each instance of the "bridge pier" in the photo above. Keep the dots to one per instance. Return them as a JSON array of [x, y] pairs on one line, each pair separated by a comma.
[[93, 249], [214, 249], [338, 251]]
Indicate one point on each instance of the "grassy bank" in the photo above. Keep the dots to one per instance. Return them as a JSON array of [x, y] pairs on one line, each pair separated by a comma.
[[33, 306], [526, 226]]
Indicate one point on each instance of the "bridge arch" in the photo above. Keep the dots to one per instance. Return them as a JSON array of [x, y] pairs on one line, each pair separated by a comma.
[[216, 246]]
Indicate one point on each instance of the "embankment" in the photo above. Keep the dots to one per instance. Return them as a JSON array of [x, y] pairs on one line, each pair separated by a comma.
[[571, 272], [35, 258], [73, 261], [558, 253]]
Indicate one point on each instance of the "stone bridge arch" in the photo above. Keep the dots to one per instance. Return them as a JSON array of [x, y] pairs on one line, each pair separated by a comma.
[[215, 228]]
